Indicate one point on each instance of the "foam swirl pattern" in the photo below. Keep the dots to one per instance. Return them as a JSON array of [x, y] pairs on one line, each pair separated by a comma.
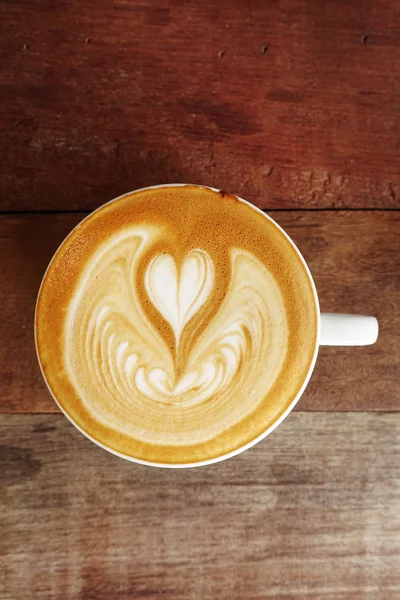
[[128, 375]]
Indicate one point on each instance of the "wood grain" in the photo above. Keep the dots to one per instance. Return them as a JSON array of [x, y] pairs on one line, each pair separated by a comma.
[[353, 255], [310, 512], [288, 103]]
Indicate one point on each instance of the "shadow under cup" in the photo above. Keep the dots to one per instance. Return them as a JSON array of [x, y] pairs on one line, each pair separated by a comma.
[[177, 326]]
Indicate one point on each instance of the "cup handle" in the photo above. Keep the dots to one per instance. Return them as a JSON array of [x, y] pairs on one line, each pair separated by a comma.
[[348, 330]]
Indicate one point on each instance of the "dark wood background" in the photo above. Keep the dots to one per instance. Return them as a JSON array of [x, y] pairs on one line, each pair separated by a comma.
[[295, 106]]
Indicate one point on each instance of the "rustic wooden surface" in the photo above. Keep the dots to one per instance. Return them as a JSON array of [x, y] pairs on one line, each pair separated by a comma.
[[310, 512], [294, 105], [289, 103], [352, 275]]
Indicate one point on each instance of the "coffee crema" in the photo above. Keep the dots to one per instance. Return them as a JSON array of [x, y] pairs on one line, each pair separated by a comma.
[[176, 324]]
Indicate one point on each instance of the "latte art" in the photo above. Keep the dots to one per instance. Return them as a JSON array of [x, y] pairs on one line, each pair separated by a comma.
[[178, 296], [175, 325], [129, 376]]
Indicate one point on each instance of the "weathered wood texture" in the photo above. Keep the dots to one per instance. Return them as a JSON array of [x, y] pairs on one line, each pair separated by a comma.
[[311, 512], [355, 259], [289, 103]]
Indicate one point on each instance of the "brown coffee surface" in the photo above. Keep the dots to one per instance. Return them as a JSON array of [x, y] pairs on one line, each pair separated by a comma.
[[176, 324]]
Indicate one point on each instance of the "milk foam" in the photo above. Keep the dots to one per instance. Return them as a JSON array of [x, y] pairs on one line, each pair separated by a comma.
[[178, 295], [130, 378], [176, 325]]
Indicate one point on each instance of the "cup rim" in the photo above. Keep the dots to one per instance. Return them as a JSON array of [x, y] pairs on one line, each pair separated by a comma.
[[269, 429]]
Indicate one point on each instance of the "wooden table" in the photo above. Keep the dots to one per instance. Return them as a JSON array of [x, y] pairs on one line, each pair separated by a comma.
[[294, 105]]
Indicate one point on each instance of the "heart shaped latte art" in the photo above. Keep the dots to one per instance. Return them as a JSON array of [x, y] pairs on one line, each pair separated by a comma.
[[179, 293], [124, 371]]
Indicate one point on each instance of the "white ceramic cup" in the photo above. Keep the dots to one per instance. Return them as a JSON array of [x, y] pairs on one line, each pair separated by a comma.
[[332, 330]]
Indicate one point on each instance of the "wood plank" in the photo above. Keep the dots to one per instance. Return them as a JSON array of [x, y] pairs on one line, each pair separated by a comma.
[[289, 104], [310, 512], [355, 259]]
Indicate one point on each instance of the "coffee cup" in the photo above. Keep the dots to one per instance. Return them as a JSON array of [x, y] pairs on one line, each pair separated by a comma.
[[177, 326]]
